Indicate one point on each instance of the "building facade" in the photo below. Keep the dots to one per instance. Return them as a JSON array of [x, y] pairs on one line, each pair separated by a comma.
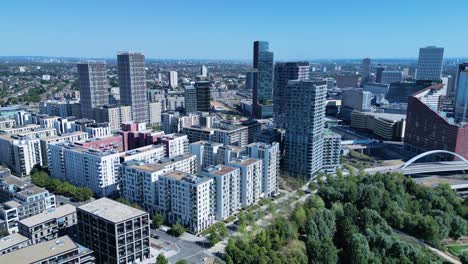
[[92, 77], [429, 66]]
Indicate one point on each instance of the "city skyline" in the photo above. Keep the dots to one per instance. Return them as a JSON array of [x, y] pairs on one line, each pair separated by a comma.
[[210, 30]]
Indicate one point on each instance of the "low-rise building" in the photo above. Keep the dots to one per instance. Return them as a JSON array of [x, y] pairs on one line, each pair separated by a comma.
[[61, 250], [13, 242], [50, 224]]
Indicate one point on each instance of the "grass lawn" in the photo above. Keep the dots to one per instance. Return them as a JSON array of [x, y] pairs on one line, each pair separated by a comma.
[[457, 249]]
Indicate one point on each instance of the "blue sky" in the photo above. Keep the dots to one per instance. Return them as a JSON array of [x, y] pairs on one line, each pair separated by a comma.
[[225, 29]]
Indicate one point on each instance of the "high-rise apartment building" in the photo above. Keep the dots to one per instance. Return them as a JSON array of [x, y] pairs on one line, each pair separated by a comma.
[[190, 98], [285, 72], [92, 77], [429, 66], [263, 80], [227, 181], [173, 79], [304, 127], [203, 71], [251, 179], [331, 151], [270, 156], [365, 71], [132, 81], [461, 94]]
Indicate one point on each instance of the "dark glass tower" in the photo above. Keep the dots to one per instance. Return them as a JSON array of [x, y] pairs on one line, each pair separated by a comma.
[[285, 72], [263, 80], [461, 94], [132, 81], [203, 96], [92, 77]]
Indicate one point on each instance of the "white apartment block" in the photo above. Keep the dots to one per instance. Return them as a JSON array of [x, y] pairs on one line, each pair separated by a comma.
[[20, 155], [20, 129], [227, 181], [206, 153], [186, 199], [147, 154], [84, 167], [23, 118], [231, 135], [99, 130], [174, 144], [270, 156], [7, 123], [21, 200], [46, 121], [139, 178], [114, 115], [73, 137], [251, 179], [154, 109], [228, 153]]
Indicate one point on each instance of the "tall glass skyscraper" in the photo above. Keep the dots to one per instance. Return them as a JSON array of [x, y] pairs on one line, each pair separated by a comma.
[[92, 77], [263, 80], [132, 81], [285, 72], [304, 125], [461, 94], [429, 66]]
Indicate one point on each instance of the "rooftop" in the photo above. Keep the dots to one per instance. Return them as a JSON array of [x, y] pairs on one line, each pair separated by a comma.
[[47, 215], [220, 169], [11, 240], [13, 180], [244, 161], [111, 210], [32, 190], [39, 252]]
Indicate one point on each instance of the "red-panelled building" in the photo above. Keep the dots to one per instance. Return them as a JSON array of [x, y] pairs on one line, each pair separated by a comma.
[[428, 129]]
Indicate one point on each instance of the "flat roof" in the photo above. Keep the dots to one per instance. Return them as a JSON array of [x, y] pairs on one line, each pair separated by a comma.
[[13, 180], [11, 240], [40, 251], [147, 167], [32, 190], [175, 174], [111, 210], [47, 215], [222, 170], [244, 162]]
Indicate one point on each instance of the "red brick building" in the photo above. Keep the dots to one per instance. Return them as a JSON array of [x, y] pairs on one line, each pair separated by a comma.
[[428, 129]]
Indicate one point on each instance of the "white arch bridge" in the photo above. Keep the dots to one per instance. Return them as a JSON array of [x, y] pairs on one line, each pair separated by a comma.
[[410, 167]]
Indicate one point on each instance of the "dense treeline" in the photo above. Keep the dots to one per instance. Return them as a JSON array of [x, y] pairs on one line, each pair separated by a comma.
[[41, 178], [352, 220]]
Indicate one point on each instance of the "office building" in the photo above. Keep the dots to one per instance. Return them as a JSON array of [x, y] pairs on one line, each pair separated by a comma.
[[186, 199], [263, 80], [285, 72], [378, 74], [227, 181], [20, 200], [389, 77], [203, 96], [132, 82], [331, 151], [251, 172], [270, 156], [383, 125], [347, 80], [117, 233], [356, 99], [83, 167], [173, 79], [61, 250], [92, 77], [304, 127], [429, 66], [50, 224], [249, 80], [365, 71], [399, 92], [461, 95], [428, 129]]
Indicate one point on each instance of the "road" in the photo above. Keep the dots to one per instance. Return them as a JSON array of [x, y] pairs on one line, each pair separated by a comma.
[[187, 247]]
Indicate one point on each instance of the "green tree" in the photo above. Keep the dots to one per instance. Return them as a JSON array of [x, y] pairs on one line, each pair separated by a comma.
[[177, 230], [321, 252], [182, 261], [161, 259], [213, 237], [464, 257], [223, 231], [158, 220], [359, 249]]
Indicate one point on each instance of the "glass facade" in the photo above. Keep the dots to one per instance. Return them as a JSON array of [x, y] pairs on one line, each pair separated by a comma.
[[461, 95]]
